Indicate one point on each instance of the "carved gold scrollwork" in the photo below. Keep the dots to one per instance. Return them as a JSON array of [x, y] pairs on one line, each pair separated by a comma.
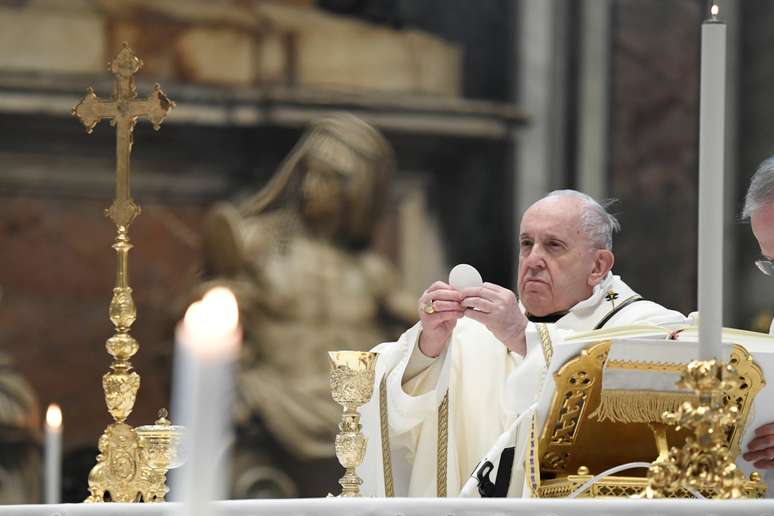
[[705, 461], [350, 388], [121, 474], [573, 402], [350, 445], [120, 393], [742, 394], [554, 461], [122, 310], [122, 347], [574, 383]]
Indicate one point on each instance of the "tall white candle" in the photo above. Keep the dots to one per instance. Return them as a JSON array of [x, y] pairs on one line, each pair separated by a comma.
[[711, 146], [207, 347], [52, 454]]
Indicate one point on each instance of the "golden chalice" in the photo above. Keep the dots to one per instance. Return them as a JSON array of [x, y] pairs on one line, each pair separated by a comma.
[[352, 382]]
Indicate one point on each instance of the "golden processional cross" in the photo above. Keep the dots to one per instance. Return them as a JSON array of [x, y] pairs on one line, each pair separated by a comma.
[[123, 112], [132, 462]]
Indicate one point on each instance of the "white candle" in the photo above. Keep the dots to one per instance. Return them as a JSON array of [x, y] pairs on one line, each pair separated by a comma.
[[711, 145], [207, 347], [52, 454]]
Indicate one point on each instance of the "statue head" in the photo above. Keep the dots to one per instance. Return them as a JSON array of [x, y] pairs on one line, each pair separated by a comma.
[[336, 177]]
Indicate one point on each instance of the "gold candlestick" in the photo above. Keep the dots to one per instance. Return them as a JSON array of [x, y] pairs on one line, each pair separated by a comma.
[[128, 468], [704, 463], [352, 382]]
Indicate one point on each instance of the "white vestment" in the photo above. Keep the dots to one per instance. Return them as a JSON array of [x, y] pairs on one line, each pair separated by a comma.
[[473, 391]]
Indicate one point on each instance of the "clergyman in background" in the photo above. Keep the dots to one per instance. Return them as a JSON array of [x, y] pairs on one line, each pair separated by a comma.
[[759, 210]]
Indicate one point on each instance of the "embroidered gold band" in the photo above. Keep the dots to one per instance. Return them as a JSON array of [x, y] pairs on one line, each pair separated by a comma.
[[545, 343], [443, 446], [389, 488], [666, 367], [531, 458]]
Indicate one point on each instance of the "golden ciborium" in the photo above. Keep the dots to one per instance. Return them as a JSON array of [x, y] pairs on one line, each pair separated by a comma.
[[161, 443], [352, 383]]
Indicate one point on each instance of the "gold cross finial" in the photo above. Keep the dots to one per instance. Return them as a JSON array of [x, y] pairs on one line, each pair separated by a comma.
[[123, 111]]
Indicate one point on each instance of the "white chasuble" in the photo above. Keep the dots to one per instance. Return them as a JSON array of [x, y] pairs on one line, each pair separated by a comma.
[[427, 433]]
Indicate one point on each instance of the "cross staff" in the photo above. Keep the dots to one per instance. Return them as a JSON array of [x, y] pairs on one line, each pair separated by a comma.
[[123, 112], [135, 478]]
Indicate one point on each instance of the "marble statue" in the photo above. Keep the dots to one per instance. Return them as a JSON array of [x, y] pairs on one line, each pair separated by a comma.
[[297, 256]]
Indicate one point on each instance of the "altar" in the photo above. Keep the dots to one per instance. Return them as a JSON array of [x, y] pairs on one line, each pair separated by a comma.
[[415, 506]]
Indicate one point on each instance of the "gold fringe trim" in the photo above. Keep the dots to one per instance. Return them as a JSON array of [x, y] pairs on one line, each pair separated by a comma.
[[389, 487], [622, 406]]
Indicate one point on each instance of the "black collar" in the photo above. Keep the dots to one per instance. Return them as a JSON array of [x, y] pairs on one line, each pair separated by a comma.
[[550, 318]]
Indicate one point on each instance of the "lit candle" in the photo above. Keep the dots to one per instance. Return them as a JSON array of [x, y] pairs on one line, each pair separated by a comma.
[[52, 454], [207, 347], [711, 146]]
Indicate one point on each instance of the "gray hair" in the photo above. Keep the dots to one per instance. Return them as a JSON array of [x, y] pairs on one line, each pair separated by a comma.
[[596, 222], [761, 189]]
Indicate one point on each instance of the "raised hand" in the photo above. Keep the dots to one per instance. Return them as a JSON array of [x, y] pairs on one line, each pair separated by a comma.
[[760, 451], [439, 310], [496, 308]]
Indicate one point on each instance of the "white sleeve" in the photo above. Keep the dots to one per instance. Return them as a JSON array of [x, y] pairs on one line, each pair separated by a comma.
[[410, 403]]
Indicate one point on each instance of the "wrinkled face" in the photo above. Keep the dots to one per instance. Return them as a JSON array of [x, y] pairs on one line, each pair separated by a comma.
[[558, 265], [762, 222]]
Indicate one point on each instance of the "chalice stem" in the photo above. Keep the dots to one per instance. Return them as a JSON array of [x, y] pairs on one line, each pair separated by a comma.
[[350, 450]]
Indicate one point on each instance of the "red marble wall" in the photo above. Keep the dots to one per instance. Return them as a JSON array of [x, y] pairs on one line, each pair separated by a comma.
[[57, 270], [655, 64]]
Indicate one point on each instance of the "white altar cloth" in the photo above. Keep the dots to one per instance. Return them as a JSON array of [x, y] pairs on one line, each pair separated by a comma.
[[416, 507]]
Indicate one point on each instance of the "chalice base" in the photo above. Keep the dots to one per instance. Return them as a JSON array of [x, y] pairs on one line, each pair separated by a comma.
[[350, 484]]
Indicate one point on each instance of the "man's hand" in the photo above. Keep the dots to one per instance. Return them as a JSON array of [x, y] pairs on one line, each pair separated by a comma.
[[760, 451], [496, 308], [439, 310]]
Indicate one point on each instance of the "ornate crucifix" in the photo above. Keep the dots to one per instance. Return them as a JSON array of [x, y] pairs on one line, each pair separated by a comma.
[[132, 463], [123, 112]]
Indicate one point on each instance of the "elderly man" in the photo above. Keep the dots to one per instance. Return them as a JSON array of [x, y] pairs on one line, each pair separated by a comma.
[[759, 210], [453, 383]]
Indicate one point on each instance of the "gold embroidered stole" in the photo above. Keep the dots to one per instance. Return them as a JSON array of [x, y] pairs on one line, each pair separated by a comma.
[[389, 487], [442, 452], [530, 461]]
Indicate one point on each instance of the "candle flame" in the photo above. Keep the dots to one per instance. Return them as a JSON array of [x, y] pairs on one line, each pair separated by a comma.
[[714, 10], [54, 416], [213, 321]]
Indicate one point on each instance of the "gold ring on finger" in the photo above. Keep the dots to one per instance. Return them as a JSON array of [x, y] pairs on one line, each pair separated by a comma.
[[429, 308]]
